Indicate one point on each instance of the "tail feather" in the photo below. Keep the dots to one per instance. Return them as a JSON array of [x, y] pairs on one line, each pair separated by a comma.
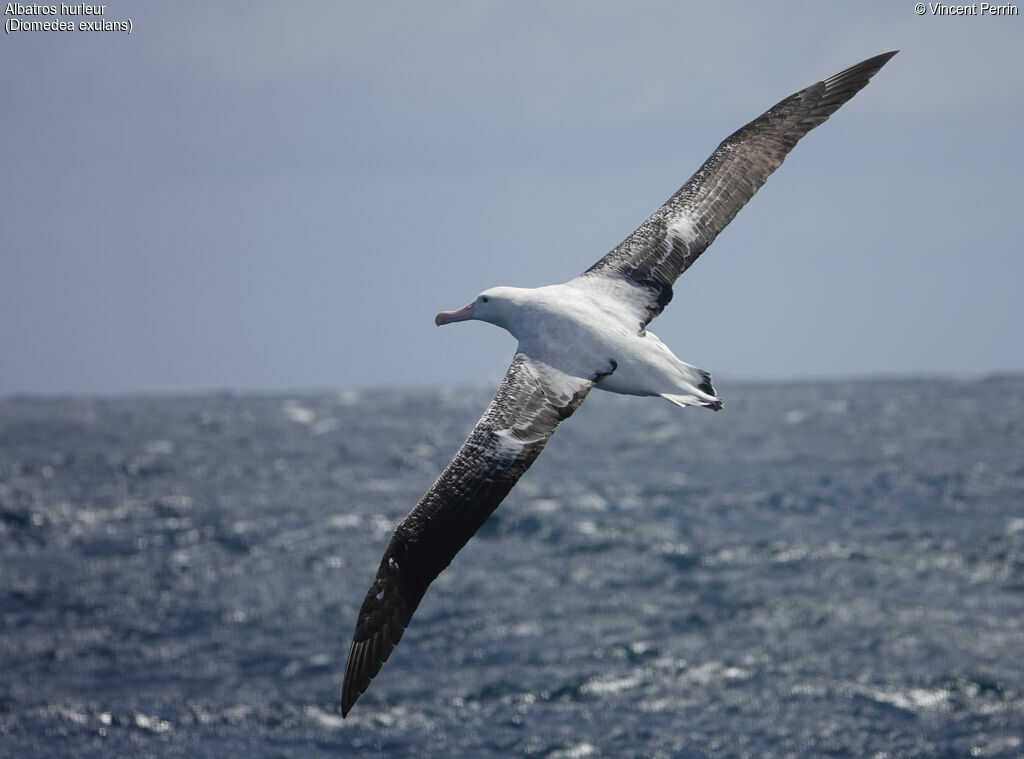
[[713, 403], [702, 393], [705, 383]]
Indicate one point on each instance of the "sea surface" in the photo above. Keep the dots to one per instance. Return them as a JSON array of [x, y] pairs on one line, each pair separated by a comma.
[[822, 569]]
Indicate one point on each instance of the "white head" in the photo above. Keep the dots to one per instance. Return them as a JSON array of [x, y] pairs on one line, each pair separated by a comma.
[[497, 306]]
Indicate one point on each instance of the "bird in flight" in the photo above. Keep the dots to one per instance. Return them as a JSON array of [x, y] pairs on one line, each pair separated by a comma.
[[588, 332]]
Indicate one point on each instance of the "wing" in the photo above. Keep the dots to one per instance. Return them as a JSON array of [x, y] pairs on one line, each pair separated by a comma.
[[674, 236], [530, 402]]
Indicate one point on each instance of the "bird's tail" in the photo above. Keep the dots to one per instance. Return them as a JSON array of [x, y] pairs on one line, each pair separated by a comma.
[[715, 404], [700, 390]]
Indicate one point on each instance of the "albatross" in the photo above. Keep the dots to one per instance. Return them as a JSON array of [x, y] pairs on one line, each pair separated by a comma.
[[590, 332]]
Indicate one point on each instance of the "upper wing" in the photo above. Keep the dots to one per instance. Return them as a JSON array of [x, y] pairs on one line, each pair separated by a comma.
[[674, 236], [530, 402]]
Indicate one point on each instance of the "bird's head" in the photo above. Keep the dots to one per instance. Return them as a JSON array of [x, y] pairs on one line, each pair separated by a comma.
[[495, 306]]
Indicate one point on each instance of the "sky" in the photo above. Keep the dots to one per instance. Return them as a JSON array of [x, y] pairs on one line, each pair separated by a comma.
[[254, 196]]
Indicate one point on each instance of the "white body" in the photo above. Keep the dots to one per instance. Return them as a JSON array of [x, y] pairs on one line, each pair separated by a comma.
[[592, 327]]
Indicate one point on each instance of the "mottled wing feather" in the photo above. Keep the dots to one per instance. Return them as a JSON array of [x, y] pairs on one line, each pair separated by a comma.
[[665, 245], [531, 401]]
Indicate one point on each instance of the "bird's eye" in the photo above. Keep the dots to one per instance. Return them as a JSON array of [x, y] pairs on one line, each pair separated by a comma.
[[484, 299]]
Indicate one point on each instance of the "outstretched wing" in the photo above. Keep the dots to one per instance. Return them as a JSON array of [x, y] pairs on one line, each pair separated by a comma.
[[674, 236], [531, 401]]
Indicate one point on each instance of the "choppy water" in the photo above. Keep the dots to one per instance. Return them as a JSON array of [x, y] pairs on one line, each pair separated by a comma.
[[822, 569]]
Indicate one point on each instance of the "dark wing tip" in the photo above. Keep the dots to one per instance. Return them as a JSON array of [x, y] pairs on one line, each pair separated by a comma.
[[813, 105], [879, 60], [850, 81], [357, 676], [874, 63], [383, 617], [365, 658]]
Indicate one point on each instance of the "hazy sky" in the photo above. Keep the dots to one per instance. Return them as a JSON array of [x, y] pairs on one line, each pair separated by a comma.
[[275, 196]]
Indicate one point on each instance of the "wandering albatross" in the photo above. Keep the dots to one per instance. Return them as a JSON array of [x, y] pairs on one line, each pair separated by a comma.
[[588, 332]]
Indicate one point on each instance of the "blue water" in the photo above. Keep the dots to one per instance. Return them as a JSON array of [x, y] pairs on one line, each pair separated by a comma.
[[821, 569]]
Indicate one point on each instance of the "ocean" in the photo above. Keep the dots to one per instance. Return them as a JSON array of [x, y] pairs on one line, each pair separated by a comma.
[[822, 569]]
